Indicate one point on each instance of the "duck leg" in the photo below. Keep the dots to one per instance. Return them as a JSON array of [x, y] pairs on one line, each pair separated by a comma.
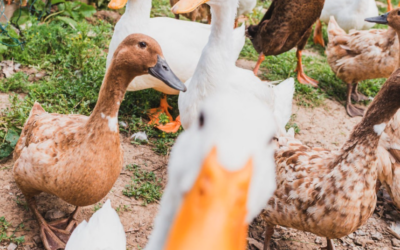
[[357, 96], [301, 76], [172, 126], [209, 18], [318, 38], [350, 108], [236, 23], [269, 231], [329, 244], [261, 58], [389, 4], [47, 233]]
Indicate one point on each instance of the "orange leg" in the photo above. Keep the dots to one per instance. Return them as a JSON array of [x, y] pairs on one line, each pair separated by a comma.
[[261, 58], [301, 76], [236, 23], [172, 126], [318, 38], [209, 19], [389, 4]]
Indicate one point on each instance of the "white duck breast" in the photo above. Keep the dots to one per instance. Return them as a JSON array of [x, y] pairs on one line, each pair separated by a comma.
[[236, 143], [216, 69], [350, 14], [181, 41]]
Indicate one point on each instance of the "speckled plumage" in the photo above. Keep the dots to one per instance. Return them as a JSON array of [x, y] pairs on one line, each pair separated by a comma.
[[331, 194], [286, 24], [362, 55]]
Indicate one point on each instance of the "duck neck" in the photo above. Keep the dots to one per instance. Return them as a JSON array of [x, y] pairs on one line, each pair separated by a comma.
[[112, 91], [217, 57], [138, 10], [398, 39], [364, 140]]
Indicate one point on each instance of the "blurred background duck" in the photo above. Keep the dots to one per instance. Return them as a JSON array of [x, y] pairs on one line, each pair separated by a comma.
[[104, 231], [217, 182], [362, 55], [217, 70], [136, 19], [349, 14], [78, 158], [286, 24], [199, 14], [331, 194]]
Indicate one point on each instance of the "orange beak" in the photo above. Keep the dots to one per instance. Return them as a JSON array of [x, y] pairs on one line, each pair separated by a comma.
[[213, 212], [186, 6], [117, 4]]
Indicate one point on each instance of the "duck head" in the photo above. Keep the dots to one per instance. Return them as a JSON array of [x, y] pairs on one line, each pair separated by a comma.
[[221, 175], [391, 18], [140, 54]]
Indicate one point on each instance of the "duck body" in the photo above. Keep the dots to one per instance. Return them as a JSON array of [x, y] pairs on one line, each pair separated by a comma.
[[53, 153], [350, 14], [286, 24], [361, 55], [389, 159], [331, 194], [137, 19]]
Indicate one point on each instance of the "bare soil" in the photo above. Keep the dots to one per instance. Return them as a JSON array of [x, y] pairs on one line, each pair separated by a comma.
[[327, 126]]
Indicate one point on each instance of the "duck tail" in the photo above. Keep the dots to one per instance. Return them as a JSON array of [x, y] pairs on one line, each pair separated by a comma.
[[283, 103], [334, 29], [36, 109]]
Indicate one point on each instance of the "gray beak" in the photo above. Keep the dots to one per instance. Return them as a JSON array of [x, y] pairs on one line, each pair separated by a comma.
[[382, 19], [164, 73]]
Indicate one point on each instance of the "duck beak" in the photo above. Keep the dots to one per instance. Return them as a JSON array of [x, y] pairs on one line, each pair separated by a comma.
[[117, 4], [186, 6], [163, 72], [213, 213], [382, 19]]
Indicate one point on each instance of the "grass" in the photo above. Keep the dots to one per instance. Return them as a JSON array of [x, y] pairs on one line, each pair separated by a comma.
[[144, 185], [5, 227]]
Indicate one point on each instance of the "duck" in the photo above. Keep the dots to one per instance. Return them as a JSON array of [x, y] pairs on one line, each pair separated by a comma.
[[331, 194], [349, 14], [78, 158], [389, 159], [200, 13], [136, 19], [218, 182], [286, 24], [216, 69], [104, 231], [361, 55]]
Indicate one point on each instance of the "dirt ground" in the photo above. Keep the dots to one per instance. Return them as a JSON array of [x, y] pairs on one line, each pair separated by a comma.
[[327, 126]]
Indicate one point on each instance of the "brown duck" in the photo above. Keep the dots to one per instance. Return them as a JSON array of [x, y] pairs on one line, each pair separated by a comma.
[[287, 24], [331, 194], [78, 158]]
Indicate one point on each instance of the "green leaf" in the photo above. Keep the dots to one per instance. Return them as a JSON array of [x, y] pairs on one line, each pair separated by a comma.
[[57, 1], [67, 20], [3, 48], [87, 10], [5, 151], [12, 137]]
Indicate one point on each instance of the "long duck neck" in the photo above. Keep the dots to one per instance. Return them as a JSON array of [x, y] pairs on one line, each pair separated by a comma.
[[112, 91], [138, 10], [217, 57], [364, 140]]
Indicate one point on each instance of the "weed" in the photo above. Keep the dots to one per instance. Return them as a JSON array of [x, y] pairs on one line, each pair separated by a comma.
[[144, 185], [292, 124], [124, 208], [97, 206], [22, 202], [4, 226]]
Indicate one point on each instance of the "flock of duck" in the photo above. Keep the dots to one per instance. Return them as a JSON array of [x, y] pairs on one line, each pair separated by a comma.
[[220, 180]]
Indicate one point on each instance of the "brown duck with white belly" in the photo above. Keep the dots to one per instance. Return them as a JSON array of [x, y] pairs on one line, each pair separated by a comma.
[[78, 158]]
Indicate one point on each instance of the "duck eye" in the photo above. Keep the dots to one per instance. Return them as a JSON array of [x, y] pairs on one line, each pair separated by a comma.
[[142, 45], [201, 120], [398, 13], [272, 140]]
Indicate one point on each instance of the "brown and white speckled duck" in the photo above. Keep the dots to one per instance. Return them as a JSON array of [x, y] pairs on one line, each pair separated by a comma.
[[287, 24], [331, 194], [200, 13], [361, 55], [78, 158]]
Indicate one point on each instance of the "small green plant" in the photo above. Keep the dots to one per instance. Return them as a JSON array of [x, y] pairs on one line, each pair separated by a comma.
[[21, 202], [163, 118], [144, 185], [124, 208], [97, 206], [4, 227]]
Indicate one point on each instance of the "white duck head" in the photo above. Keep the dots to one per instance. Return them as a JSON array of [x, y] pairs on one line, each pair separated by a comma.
[[221, 174]]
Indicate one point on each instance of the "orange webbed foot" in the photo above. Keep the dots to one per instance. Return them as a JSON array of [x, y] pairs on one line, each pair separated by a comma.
[[171, 127]]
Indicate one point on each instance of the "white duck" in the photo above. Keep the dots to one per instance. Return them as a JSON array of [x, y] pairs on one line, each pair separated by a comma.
[[349, 14], [245, 7], [217, 69], [181, 50], [218, 181], [104, 231]]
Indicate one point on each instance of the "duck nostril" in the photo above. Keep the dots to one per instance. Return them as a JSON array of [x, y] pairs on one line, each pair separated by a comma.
[[165, 67]]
